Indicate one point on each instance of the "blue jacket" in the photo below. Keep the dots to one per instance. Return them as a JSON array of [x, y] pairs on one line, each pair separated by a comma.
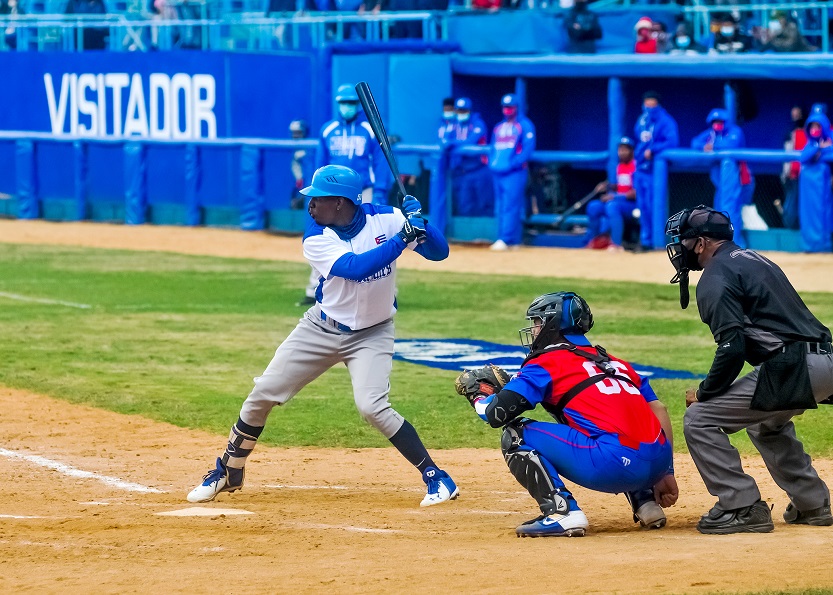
[[816, 204], [656, 131], [354, 145], [512, 145], [731, 137], [472, 132]]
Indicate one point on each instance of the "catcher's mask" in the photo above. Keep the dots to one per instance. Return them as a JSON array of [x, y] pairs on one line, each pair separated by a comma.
[[555, 317], [699, 222]]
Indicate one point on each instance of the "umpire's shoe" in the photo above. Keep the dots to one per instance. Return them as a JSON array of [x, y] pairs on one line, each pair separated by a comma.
[[572, 524], [749, 519], [441, 488], [818, 517], [219, 479]]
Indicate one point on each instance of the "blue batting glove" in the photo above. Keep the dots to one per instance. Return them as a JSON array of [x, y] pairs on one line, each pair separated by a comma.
[[418, 223], [411, 206]]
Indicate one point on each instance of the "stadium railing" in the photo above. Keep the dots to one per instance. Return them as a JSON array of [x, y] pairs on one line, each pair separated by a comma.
[[66, 32]]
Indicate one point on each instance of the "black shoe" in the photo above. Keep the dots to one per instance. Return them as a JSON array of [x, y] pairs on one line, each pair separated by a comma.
[[818, 517], [749, 519], [307, 301]]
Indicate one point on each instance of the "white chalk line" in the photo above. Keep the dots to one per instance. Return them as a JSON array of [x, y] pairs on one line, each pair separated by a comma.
[[71, 471], [20, 516], [351, 528], [26, 298]]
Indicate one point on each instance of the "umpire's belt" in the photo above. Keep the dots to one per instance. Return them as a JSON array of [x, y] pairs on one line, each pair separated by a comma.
[[335, 323], [820, 348]]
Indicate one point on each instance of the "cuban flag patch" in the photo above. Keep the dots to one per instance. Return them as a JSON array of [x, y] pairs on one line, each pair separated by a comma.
[[380, 239]]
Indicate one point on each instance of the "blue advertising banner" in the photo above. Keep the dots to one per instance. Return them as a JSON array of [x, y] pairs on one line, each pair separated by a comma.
[[457, 354]]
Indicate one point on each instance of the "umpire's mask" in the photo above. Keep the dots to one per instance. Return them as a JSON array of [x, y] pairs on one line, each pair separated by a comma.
[[701, 221]]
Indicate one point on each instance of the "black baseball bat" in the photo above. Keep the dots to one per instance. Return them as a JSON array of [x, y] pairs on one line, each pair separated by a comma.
[[575, 207], [374, 118]]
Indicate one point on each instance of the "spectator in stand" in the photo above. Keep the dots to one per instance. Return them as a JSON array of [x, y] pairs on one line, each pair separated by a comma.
[[655, 131], [661, 35], [583, 29], [733, 181], [682, 42], [348, 140], [616, 206], [646, 41], [95, 38], [10, 8], [814, 185], [730, 39], [513, 142], [161, 10], [471, 182], [782, 35], [795, 140], [356, 31]]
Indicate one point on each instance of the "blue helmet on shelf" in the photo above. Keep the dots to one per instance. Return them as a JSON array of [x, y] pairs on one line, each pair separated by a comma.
[[346, 93], [335, 180]]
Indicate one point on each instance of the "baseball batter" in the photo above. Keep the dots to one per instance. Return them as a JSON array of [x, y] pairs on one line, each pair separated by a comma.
[[614, 435], [353, 247]]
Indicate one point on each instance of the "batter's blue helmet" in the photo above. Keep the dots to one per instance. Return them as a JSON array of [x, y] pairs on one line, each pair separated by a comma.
[[335, 180], [346, 93], [717, 114], [509, 100], [463, 103]]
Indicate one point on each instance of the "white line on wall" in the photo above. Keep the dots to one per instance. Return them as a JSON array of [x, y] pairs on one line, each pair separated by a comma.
[[113, 482], [26, 298]]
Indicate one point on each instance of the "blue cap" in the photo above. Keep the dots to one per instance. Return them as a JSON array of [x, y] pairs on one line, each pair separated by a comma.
[[819, 108], [626, 140], [346, 93], [717, 114], [335, 180], [509, 100], [463, 103]]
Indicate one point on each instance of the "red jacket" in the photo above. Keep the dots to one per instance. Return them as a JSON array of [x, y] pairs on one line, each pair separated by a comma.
[[649, 46]]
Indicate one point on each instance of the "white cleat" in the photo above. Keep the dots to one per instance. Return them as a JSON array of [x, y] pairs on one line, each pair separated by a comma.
[[214, 482], [441, 488], [572, 524]]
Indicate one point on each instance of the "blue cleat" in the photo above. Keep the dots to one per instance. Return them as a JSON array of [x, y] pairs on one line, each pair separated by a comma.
[[572, 524], [441, 488], [219, 479]]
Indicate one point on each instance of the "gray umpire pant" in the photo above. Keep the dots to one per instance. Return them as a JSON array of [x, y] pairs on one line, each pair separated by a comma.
[[312, 348], [706, 427]]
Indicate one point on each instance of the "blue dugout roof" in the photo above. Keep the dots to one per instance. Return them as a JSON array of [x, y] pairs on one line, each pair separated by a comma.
[[796, 67]]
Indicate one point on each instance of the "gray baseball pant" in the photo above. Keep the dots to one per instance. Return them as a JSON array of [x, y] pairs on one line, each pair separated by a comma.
[[311, 349], [706, 426]]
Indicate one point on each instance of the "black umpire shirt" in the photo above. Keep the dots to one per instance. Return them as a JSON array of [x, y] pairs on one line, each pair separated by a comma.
[[752, 310]]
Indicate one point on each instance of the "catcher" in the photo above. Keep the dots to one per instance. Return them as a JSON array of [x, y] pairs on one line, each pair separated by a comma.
[[613, 436]]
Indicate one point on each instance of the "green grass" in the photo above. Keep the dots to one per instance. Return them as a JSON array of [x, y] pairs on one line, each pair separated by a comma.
[[179, 338]]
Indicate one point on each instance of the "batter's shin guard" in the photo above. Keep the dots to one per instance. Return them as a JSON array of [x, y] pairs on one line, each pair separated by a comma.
[[241, 442], [528, 468]]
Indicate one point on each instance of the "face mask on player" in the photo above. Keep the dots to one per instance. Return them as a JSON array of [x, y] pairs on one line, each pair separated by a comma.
[[510, 112], [815, 131], [683, 41], [718, 126], [448, 115], [463, 116], [727, 31], [348, 110]]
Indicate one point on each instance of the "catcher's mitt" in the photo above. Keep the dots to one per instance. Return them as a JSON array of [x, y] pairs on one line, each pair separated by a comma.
[[484, 381]]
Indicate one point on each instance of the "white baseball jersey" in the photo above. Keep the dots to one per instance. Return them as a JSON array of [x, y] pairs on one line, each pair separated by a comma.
[[356, 304]]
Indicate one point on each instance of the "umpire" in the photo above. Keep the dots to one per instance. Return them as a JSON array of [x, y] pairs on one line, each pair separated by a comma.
[[755, 315]]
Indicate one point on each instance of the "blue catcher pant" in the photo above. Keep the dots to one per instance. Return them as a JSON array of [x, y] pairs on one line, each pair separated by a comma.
[[610, 217], [510, 205], [601, 464], [643, 182]]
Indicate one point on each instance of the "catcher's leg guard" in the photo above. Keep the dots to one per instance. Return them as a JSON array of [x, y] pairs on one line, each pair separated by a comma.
[[532, 473], [646, 511]]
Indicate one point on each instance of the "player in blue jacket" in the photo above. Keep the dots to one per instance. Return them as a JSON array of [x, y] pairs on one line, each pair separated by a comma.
[[513, 141], [655, 131], [471, 182], [733, 181], [814, 208], [614, 435], [349, 140], [354, 248]]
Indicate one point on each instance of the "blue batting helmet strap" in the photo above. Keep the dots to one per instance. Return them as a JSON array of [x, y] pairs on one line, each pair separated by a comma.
[[717, 114], [346, 93], [509, 100], [335, 180]]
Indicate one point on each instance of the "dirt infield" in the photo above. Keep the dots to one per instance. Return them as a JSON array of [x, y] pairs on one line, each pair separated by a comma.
[[83, 488]]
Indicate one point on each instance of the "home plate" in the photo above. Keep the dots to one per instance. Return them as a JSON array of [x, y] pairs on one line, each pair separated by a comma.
[[203, 511]]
